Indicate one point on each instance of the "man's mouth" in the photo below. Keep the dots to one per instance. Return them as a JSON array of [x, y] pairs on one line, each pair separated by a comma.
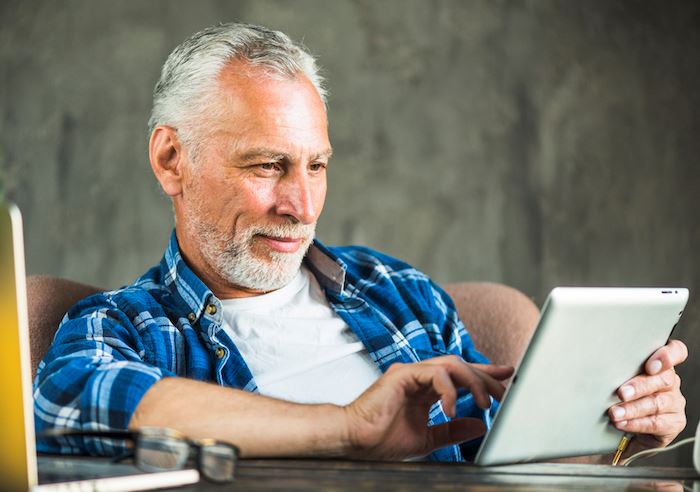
[[282, 244]]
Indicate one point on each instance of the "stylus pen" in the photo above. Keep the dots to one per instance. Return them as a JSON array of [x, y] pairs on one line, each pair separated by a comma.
[[624, 442]]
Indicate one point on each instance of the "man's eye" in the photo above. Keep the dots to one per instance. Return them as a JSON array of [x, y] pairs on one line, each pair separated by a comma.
[[269, 166], [317, 166]]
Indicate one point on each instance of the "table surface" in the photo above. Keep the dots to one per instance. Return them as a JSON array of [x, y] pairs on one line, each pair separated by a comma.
[[358, 476]]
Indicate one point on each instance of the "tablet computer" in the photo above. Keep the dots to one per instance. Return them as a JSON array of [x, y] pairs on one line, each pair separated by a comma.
[[588, 342]]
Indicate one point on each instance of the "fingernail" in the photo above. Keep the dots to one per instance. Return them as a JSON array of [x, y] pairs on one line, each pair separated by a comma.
[[654, 366], [627, 392], [622, 424], [618, 412]]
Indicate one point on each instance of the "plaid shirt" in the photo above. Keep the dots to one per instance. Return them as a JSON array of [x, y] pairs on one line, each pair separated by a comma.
[[111, 347]]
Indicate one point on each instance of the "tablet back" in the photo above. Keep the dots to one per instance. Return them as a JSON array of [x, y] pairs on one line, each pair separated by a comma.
[[587, 343]]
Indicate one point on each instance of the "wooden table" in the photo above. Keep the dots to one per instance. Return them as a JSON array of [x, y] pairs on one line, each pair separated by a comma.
[[421, 476]]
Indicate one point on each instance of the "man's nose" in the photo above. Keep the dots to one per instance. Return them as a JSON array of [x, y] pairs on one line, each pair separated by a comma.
[[297, 197]]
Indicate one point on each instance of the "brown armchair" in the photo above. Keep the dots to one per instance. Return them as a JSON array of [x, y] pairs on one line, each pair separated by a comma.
[[499, 318]]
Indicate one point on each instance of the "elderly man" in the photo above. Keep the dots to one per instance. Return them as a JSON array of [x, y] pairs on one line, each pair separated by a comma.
[[253, 332]]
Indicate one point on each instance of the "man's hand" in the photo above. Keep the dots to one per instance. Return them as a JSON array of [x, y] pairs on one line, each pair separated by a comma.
[[389, 420], [652, 404]]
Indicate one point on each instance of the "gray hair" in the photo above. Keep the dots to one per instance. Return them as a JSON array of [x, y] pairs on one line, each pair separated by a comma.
[[190, 74]]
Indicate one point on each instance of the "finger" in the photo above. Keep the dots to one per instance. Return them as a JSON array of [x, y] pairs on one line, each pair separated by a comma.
[[443, 385], [495, 371], [463, 375], [463, 370], [660, 426], [476, 383], [491, 386], [658, 403], [468, 376], [643, 385], [494, 387], [668, 356], [434, 379], [455, 432]]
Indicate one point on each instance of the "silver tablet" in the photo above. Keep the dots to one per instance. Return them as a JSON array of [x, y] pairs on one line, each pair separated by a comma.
[[587, 343]]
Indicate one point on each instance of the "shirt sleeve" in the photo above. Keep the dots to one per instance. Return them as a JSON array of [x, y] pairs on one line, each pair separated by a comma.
[[458, 341], [92, 378]]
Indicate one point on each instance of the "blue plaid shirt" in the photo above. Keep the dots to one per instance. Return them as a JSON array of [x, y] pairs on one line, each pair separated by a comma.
[[113, 346]]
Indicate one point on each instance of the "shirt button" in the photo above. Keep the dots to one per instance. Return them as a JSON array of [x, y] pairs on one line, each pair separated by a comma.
[[219, 352], [211, 309], [191, 317]]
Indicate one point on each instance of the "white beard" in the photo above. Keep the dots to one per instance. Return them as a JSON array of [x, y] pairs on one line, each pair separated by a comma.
[[233, 259]]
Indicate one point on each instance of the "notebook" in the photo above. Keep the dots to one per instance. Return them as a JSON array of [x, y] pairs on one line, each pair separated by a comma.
[[19, 466]]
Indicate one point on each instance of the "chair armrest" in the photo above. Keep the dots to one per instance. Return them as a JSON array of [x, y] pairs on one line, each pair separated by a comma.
[[48, 299], [499, 318]]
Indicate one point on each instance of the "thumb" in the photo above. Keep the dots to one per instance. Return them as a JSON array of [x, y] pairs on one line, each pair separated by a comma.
[[455, 432]]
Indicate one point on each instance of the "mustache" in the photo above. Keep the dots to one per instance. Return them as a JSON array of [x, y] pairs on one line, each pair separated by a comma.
[[304, 231]]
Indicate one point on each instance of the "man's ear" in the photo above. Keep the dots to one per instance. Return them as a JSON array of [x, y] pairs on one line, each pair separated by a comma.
[[167, 159]]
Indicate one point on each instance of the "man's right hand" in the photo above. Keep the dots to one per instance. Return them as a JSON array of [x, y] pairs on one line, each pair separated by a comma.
[[389, 421]]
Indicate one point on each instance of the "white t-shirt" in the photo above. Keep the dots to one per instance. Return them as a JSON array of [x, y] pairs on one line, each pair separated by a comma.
[[297, 348]]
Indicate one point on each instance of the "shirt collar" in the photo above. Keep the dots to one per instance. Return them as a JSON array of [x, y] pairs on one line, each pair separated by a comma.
[[182, 282], [328, 269]]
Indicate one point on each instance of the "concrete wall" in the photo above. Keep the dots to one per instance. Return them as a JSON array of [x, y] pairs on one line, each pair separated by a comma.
[[536, 143]]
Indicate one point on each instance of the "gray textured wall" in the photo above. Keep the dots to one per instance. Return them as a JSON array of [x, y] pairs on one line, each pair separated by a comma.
[[536, 143]]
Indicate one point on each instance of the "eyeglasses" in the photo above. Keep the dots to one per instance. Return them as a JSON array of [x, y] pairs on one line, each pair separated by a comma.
[[160, 449]]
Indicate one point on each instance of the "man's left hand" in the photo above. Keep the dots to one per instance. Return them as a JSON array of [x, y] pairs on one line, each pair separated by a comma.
[[653, 406]]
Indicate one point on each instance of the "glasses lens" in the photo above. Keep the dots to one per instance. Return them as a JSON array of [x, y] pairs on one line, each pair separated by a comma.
[[218, 462], [161, 453]]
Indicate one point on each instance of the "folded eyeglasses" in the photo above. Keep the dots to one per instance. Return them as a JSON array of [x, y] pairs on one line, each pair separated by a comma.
[[160, 449]]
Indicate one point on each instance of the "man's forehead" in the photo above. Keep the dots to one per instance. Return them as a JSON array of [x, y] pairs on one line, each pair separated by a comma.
[[255, 115], [256, 152], [243, 150]]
